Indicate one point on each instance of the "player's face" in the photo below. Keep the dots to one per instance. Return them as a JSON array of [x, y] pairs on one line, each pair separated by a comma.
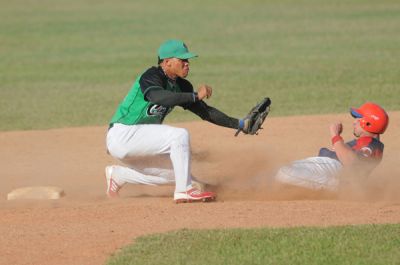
[[357, 130], [180, 67]]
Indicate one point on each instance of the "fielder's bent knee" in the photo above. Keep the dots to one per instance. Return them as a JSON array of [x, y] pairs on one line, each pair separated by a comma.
[[118, 153], [182, 135]]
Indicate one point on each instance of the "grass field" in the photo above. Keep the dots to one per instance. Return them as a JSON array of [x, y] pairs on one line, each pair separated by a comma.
[[70, 63], [369, 244]]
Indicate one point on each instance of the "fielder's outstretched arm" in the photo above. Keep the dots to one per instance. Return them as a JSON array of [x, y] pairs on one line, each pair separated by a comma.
[[213, 115]]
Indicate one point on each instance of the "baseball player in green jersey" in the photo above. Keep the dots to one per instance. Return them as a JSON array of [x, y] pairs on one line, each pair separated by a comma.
[[136, 129]]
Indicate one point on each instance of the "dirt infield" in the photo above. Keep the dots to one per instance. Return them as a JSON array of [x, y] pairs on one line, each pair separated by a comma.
[[85, 227]]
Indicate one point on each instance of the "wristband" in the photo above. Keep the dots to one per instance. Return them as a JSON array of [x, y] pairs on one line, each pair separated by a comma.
[[336, 139], [241, 124]]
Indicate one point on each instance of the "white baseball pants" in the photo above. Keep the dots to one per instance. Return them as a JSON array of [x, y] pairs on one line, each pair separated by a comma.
[[127, 142], [316, 173]]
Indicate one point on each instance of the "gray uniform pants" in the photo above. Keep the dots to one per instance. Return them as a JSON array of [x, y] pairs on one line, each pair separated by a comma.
[[316, 173]]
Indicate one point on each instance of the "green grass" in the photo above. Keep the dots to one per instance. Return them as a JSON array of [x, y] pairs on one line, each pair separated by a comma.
[[70, 63], [366, 244]]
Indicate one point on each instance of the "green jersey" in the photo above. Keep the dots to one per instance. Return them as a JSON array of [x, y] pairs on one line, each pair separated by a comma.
[[154, 95], [137, 109]]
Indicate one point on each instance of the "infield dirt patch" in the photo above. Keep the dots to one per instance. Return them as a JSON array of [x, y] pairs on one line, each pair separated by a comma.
[[84, 227]]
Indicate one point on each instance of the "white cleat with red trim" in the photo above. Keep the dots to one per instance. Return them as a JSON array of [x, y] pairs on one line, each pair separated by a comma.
[[112, 186], [194, 195]]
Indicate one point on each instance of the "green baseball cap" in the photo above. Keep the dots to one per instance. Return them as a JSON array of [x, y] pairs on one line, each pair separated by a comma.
[[174, 49]]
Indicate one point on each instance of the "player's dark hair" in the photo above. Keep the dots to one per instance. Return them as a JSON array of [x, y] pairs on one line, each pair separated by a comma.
[[159, 60]]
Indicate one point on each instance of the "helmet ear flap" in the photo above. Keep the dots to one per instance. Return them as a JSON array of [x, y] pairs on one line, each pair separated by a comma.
[[363, 123]]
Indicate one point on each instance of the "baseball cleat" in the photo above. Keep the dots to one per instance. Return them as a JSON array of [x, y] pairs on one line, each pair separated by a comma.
[[194, 195], [112, 186]]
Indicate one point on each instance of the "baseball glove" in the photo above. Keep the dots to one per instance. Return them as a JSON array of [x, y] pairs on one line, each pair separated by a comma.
[[252, 123]]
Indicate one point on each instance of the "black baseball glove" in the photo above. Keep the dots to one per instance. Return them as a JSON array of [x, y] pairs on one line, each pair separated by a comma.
[[252, 123]]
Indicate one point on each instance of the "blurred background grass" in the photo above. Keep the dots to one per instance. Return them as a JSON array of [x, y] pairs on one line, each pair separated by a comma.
[[69, 63]]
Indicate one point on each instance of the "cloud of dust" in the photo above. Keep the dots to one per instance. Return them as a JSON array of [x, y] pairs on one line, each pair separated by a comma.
[[248, 174], [380, 185], [255, 180], [257, 183]]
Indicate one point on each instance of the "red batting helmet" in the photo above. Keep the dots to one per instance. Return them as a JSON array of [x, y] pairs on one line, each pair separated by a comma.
[[373, 118]]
